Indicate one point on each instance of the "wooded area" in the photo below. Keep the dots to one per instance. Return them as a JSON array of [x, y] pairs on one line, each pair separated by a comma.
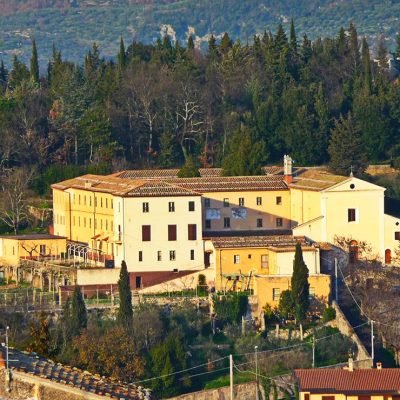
[[237, 105]]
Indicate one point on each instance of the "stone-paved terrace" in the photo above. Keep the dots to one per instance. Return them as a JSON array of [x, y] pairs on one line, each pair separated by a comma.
[[74, 377]]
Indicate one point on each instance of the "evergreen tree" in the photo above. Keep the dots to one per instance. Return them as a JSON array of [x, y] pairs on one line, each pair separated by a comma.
[[125, 311], [189, 169], [381, 52], [354, 49], [226, 43], [121, 58], [306, 49], [397, 51], [341, 41], [190, 43], [34, 64], [366, 62], [345, 149], [78, 316], [280, 41], [40, 336], [292, 37], [299, 285], [212, 48], [170, 151], [19, 73], [245, 156], [3, 75]]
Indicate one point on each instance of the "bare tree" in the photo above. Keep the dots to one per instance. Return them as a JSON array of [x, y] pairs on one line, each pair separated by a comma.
[[14, 188]]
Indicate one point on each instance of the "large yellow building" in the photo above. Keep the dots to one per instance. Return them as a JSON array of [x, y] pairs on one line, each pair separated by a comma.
[[156, 222]]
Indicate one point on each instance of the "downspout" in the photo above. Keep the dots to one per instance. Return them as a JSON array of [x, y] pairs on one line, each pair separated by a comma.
[[123, 225]]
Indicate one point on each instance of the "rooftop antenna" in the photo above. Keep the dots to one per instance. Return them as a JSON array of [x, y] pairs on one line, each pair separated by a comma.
[[351, 171]]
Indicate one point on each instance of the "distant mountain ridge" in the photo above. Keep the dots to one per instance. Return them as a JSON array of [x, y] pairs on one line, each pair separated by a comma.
[[73, 25]]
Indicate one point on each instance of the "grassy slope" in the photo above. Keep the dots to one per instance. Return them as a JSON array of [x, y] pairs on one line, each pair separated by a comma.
[[74, 29]]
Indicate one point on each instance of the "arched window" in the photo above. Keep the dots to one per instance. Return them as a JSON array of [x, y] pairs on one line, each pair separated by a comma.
[[353, 251], [388, 256]]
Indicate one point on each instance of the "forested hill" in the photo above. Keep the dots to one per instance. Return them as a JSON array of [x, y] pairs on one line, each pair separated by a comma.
[[73, 25]]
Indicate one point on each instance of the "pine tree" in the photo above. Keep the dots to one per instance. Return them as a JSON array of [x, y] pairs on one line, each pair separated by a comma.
[[121, 58], [341, 41], [189, 169], [280, 41], [299, 285], [34, 64], [125, 311], [170, 154], [212, 48], [78, 316], [345, 149], [226, 43], [306, 49]]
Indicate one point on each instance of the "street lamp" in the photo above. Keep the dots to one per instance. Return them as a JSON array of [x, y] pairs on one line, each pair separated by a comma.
[[255, 351]]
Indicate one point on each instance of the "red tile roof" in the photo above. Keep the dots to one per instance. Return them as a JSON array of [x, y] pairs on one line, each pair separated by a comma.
[[385, 380]]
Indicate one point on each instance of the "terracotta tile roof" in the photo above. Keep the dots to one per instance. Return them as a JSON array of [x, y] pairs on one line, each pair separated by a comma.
[[154, 188], [33, 236], [315, 179], [231, 183], [124, 186], [273, 242], [83, 380], [385, 380]]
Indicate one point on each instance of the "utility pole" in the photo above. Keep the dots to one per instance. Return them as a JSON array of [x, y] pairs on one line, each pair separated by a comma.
[[256, 356], [336, 281], [313, 351], [372, 342], [231, 375]]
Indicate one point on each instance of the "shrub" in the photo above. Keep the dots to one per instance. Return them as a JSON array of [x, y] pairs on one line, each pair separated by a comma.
[[329, 314]]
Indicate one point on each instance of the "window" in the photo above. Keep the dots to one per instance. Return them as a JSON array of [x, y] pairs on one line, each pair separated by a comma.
[[351, 215], [79, 221], [119, 207], [171, 232], [226, 202], [259, 222], [311, 293], [84, 222], [138, 282], [140, 256], [227, 222], [278, 200], [79, 199], [241, 201], [101, 224], [90, 222], [106, 224], [101, 202], [146, 233], [42, 249], [276, 294], [172, 255], [397, 236], [208, 223], [145, 207], [236, 259], [279, 222], [159, 255], [84, 200], [264, 261], [95, 201], [192, 232], [171, 206], [106, 203], [90, 201], [192, 254], [259, 201], [191, 205], [207, 203], [112, 204], [306, 396]]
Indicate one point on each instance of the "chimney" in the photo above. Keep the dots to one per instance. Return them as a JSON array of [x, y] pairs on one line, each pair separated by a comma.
[[351, 364], [88, 185], [378, 365], [287, 168]]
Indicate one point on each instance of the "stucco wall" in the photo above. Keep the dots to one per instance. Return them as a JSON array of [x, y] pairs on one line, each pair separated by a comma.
[[97, 276]]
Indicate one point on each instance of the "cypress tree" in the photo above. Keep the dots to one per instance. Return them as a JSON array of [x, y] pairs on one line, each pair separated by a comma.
[[300, 285], [3, 75], [341, 41], [366, 62], [345, 149], [78, 315], [34, 64], [125, 311], [397, 51], [190, 43], [354, 48], [292, 37]]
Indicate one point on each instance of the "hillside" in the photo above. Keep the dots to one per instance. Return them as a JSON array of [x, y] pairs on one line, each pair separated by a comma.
[[74, 24]]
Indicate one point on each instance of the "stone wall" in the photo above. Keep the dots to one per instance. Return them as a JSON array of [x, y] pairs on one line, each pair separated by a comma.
[[363, 358], [27, 387], [244, 391]]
